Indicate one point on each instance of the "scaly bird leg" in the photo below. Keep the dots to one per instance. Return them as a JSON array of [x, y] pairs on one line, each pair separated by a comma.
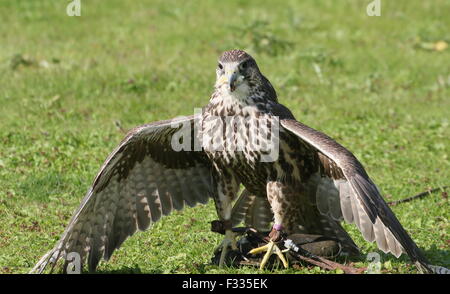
[[229, 240], [224, 227]]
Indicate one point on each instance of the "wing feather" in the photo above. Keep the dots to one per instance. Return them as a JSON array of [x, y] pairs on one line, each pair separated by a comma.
[[360, 200], [345, 196], [142, 180]]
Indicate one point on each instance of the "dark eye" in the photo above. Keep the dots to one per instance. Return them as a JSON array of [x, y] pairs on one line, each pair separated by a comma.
[[220, 66], [244, 65]]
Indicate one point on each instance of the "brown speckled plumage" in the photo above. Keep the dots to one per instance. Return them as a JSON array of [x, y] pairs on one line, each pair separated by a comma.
[[313, 184], [234, 55]]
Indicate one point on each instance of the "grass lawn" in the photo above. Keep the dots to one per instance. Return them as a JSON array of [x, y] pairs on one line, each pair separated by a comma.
[[378, 85]]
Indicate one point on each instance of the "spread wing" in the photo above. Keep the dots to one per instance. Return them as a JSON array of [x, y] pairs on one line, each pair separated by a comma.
[[143, 179], [345, 191]]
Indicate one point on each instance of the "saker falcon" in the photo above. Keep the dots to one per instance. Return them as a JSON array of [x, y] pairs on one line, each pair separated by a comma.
[[310, 182]]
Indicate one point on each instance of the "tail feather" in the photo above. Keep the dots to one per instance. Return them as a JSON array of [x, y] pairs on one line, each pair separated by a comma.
[[254, 211]]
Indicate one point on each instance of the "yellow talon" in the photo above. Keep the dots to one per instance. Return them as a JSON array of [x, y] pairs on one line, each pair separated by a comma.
[[259, 249], [270, 248]]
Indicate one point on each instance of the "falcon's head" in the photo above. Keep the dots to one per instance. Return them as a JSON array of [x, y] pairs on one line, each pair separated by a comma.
[[239, 75]]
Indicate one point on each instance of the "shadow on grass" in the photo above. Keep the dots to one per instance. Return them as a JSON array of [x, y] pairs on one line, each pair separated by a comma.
[[438, 256], [435, 255], [124, 270]]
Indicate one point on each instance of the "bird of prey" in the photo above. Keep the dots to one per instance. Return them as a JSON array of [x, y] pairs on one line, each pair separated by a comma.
[[243, 136]]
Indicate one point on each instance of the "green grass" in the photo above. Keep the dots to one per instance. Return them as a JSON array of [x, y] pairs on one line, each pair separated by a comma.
[[65, 81]]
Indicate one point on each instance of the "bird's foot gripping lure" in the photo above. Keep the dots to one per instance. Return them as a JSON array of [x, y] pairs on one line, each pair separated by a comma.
[[270, 249], [275, 236], [295, 250]]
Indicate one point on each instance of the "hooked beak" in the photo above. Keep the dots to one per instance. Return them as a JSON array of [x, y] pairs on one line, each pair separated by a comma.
[[232, 81]]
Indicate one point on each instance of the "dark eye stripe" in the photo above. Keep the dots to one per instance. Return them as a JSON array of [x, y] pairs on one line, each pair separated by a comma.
[[220, 66]]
